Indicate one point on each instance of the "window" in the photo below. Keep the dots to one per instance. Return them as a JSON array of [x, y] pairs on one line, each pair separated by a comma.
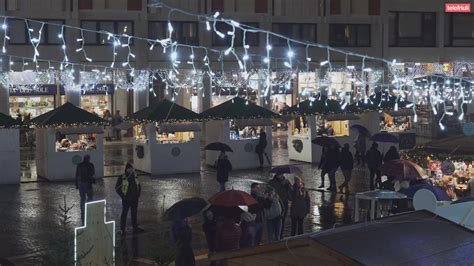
[[134, 5], [261, 6], [116, 27], [251, 38], [49, 32], [183, 32], [374, 7], [412, 29], [303, 32], [217, 6], [335, 6], [459, 30], [349, 35], [85, 4]]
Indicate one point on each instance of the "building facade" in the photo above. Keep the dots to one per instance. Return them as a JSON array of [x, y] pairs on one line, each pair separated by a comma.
[[405, 30]]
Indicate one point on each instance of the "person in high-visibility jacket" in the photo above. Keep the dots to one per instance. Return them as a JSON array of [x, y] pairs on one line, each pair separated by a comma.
[[129, 189]]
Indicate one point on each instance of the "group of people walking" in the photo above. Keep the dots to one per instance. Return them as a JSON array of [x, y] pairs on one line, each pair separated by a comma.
[[332, 159]]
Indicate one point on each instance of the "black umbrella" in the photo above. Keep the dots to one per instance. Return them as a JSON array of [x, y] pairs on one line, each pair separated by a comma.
[[185, 208], [218, 146], [325, 141]]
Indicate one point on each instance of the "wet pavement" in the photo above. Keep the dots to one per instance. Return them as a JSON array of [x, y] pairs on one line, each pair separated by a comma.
[[29, 211]]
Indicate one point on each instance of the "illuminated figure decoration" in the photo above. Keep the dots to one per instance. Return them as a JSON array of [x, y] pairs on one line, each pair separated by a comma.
[[94, 243]]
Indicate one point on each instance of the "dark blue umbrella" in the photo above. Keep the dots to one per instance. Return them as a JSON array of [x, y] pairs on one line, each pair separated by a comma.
[[384, 137], [361, 129], [218, 146], [439, 192], [286, 169], [325, 141]]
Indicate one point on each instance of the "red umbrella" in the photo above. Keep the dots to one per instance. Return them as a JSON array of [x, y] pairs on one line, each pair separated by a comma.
[[231, 198], [402, 169]]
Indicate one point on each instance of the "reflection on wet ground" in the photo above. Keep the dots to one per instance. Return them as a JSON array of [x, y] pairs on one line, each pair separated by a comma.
[[29, 210]]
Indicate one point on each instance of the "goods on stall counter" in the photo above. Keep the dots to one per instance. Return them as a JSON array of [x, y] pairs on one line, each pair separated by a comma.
[[81, 145]]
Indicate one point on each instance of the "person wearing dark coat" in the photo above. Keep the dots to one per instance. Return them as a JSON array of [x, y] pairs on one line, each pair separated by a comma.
[[228, 235], [322, 166], [209, 229], [129, 189], [347, 164], [85, 172], [247, 225], [300, 206], [392, 154], [373, 159], [283, 189], [223, 169], [182, 236], [257, 209], [262, 144], [331, 165]]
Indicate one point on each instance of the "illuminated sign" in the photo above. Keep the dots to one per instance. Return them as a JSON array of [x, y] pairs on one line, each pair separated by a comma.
[[457, 8]]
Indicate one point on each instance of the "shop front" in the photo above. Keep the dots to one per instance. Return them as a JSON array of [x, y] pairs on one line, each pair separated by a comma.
[[98, 98], [33, 100]]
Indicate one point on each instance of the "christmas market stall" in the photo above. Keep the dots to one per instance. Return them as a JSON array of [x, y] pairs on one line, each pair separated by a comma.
[[63, 137], [237, 123], [385, 113], [9, 151], [449, 163], [166, 141], [315, 117]]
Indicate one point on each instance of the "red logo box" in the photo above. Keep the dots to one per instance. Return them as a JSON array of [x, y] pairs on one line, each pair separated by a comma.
[[457, 8]]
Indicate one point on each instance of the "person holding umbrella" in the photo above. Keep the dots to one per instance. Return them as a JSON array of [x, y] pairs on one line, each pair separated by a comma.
[[257, 194], [223, 169], [322, 166], [373, 158], [260, 148], [282, 188], [273, 214], [392, 154], [182, 235], [347, 164], [129, 189], [331, 165], [300, 206]]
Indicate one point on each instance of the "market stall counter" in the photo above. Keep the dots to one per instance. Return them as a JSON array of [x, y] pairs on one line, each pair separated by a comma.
[[166, 139], [239, 123], [63, 137], [9, 151]]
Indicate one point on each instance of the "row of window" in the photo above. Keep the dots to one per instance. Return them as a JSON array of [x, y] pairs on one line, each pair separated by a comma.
[[406, 29]]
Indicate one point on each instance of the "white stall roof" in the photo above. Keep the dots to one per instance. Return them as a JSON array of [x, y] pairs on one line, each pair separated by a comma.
[[180, 127]]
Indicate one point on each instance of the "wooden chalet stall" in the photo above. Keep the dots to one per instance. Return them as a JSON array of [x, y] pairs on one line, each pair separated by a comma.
[[9, 151], [63, 137], [237, 123], [166, 139]]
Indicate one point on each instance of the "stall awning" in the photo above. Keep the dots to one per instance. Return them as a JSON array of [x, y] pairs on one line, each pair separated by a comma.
[[81, 130], [180, 127], [164, 112], [340, 117], [68, 115], [238, 108], [253, 122], [7, 121]]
